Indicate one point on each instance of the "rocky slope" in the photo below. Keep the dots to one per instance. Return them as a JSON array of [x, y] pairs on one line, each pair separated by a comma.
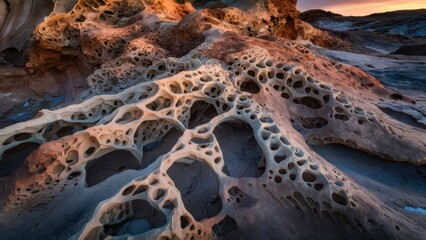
[[381, 32], [197, 123], [395, 57]]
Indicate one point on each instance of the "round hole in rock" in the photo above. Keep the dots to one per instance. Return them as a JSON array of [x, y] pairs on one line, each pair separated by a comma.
[[21, 136], [160, 193], [278, 179], [145, 217], [198, 187], [90, 151], [72, 157], [339, 199], [308, 176], [280, 157], [14, 157], [73, 175], [10, 54], [66, 131], [169, 205], [341, 117], [160, 147], [396, 96], [128, 190], [298, 84], [250, 86], [309, 102], [225, 227], [242, 154], [201, 113], [109, 165], [184, 222]]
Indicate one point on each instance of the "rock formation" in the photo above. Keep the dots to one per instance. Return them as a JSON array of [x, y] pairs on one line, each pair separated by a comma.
[[18, 19], [196, 125], [381, 32]]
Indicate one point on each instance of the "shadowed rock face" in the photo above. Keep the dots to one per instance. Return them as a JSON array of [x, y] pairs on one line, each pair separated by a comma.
[[24, 91], [196, 125], [389, 46], [379, 33], [18, 19]]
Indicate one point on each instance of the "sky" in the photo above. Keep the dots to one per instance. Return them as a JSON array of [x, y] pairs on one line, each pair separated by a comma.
[[360, 7]]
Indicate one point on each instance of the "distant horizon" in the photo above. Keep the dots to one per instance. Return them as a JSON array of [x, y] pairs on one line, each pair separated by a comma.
[[360, 7], [363, 15]]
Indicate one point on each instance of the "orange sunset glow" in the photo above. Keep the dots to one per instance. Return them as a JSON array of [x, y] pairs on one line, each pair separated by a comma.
[[361, 7]]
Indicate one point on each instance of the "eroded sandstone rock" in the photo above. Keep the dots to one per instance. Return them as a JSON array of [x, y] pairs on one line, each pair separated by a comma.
[[145, 148]]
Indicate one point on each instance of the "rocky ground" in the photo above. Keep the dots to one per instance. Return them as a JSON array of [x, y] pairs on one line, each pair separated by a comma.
[[223, 119], [390, 46]]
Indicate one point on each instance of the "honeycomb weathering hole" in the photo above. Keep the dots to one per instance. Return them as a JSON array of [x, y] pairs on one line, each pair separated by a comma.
[[240, 198], [108, 165], [14, 157], [309, 102], [225, 227], [198, 187], [162, 146], [201, 112], [241, 152], [144, 217], [250, 86]]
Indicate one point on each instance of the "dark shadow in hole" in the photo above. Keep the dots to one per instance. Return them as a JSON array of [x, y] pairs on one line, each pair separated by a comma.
[[396, 96], [66, 131], [225, 227], [241, 198], [199, 188], [144, 219], [55, 130], [109, 165], [403, 117], [309, 102], [312, 123], [14, 157], [118, 161], [201, 113], [241, 152], [364, 168], [10, 54], [154, 150], [250, 86]]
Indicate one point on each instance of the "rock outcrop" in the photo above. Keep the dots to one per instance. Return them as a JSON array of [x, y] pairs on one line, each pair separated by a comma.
[[195, 126], [18, 18], [381, 32], [413, 50]]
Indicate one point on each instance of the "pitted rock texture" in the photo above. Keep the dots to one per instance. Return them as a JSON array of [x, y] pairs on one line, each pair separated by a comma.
[[196, 126]]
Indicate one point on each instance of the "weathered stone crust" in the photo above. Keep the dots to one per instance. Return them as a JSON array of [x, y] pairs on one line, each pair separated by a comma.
[[157, 60]]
